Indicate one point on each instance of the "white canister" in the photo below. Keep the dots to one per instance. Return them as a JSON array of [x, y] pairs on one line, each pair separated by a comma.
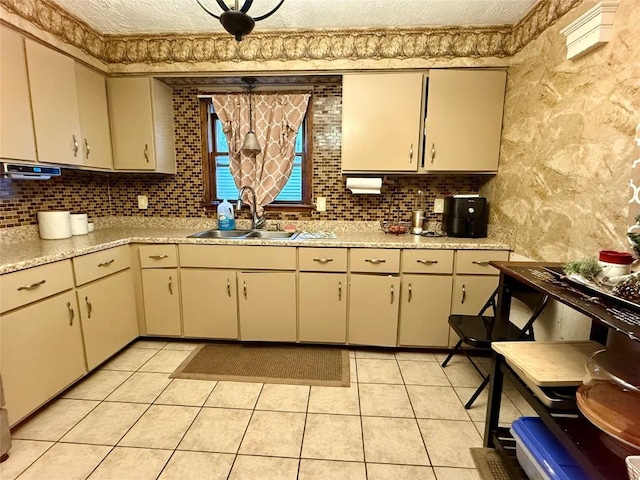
[[79, 224], [54, 225]]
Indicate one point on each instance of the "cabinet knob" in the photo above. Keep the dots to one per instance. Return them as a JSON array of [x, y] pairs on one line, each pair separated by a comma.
[[75, 146], [374, 261], [31, 286], [427, 262]]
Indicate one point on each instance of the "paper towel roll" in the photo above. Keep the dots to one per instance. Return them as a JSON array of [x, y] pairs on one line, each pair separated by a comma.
[[368, 185], [54, 225], [79, 224]]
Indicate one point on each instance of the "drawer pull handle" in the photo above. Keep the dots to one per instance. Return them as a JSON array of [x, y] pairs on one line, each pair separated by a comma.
[[244, 289], [89, 307], [409, 299], [481, 263], [464, 294], [170, 285], [87, 148], [31, 286], [323, 260], [146, 152], [392, 294], [228, 288], [427, 262], [339, 291], [433, 152], [72, 314], [107, 263], [75, 146], [158, 257], [374, 261]]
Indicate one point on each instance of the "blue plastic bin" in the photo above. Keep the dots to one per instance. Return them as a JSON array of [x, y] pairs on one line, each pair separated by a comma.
[[540, 453]]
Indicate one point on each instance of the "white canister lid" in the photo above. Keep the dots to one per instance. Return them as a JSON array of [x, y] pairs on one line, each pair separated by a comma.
[[54, 225]]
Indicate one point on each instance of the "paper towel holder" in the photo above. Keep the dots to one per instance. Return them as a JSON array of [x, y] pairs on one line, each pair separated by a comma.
[[364, 185]]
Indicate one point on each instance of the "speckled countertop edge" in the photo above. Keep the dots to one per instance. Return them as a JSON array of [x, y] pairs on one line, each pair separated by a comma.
[[24, 254]]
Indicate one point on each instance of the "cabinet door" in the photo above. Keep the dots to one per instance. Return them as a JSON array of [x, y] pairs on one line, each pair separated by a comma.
[[322, 304], [267, 306], [373, 309], [41, 353], [94, 118], [164, 141], [131, 123], [471, 292], [209, 303], [381, 117], [108, 312], [161, 301], [424, 313], [17, 140], [54, 101], [464, 120]]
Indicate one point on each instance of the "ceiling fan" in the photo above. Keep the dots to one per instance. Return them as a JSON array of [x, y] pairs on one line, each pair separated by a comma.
[[235, 20]]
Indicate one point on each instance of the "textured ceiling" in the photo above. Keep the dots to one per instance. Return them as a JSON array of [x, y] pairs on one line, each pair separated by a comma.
[[185, 16]]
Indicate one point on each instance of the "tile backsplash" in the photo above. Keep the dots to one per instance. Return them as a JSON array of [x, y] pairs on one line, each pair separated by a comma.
[[102, 194]]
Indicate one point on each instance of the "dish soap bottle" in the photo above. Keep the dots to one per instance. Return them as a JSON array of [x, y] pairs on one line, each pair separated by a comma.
[[225, 216]]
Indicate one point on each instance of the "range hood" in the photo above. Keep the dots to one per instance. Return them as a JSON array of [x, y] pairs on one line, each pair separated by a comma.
[[17, 171]]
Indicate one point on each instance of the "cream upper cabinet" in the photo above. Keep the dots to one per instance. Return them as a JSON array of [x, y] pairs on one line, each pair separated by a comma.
[[381, 119], [141, 124], [94, 118], [17, 139], [463, 120], [54, 102]]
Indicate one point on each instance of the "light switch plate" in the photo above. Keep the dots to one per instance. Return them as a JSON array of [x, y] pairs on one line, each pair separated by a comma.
[[143, 202], [438, 205], [321, 204]]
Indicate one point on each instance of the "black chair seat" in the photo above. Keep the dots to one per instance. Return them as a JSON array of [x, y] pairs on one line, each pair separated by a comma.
[[472, 330]]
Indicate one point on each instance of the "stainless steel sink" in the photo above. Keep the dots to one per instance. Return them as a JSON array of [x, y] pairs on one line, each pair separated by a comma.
[[245, 234], [215, 233]]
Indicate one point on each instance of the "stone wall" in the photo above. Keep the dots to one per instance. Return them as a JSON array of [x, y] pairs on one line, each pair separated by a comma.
[[567, 147]]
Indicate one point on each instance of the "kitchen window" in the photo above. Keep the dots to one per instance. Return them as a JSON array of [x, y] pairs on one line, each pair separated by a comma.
[[218, 181]]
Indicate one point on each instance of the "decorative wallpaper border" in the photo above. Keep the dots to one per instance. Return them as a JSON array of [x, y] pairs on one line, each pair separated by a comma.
[[327, 45]]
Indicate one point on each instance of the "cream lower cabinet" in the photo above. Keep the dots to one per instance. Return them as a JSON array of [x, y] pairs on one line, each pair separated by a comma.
[[373, 309], [322, 307], [424, 312], [108, 313], [161, 293], [209, 303], [267, 306], [41, 353]]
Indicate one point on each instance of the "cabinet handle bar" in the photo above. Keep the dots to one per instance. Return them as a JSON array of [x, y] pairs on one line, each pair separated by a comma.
[[107, 263], [464, 294], [323, 260], [375, 261], [410, 294], [481, 263], [170, 285], [158, 257], [228, 287], [87, 148], [31, 286], [244, 288], [89, 307], [339, 291], [75, 146], [146, 152], [391, 295], [427, 262], [72, 314]]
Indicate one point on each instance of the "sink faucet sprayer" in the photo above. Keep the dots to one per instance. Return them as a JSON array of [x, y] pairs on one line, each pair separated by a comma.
[[256, 222]]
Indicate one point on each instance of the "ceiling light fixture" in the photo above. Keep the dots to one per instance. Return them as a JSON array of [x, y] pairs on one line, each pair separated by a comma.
[[234, 19], [250, 144]]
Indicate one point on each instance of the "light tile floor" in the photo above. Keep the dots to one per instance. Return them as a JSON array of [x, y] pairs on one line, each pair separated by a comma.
[[402, 418]]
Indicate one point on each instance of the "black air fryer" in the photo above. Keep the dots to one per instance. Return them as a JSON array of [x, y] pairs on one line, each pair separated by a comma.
[[465, 217]]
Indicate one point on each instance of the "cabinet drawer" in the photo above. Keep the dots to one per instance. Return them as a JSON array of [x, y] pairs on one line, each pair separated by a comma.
[[230, 256], [157, 256], [375, 260], [26, 286], [427, 261], [322, 259], [476, 262], [100, 264]]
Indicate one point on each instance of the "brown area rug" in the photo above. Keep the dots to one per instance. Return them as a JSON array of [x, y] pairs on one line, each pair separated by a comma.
[[491, 466], [295, 365]]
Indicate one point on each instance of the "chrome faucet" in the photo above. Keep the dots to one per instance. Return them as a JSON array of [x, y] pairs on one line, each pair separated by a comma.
[[256, 222]]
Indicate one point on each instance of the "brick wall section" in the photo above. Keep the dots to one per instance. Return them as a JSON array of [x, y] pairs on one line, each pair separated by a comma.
[[101, 194]]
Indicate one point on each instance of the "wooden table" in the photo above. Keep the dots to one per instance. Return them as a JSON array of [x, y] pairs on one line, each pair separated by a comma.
[[583, 440]]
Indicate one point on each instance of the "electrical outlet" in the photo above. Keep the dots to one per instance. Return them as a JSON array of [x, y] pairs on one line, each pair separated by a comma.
[[321, 204], [438, 205], [143, 202]]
